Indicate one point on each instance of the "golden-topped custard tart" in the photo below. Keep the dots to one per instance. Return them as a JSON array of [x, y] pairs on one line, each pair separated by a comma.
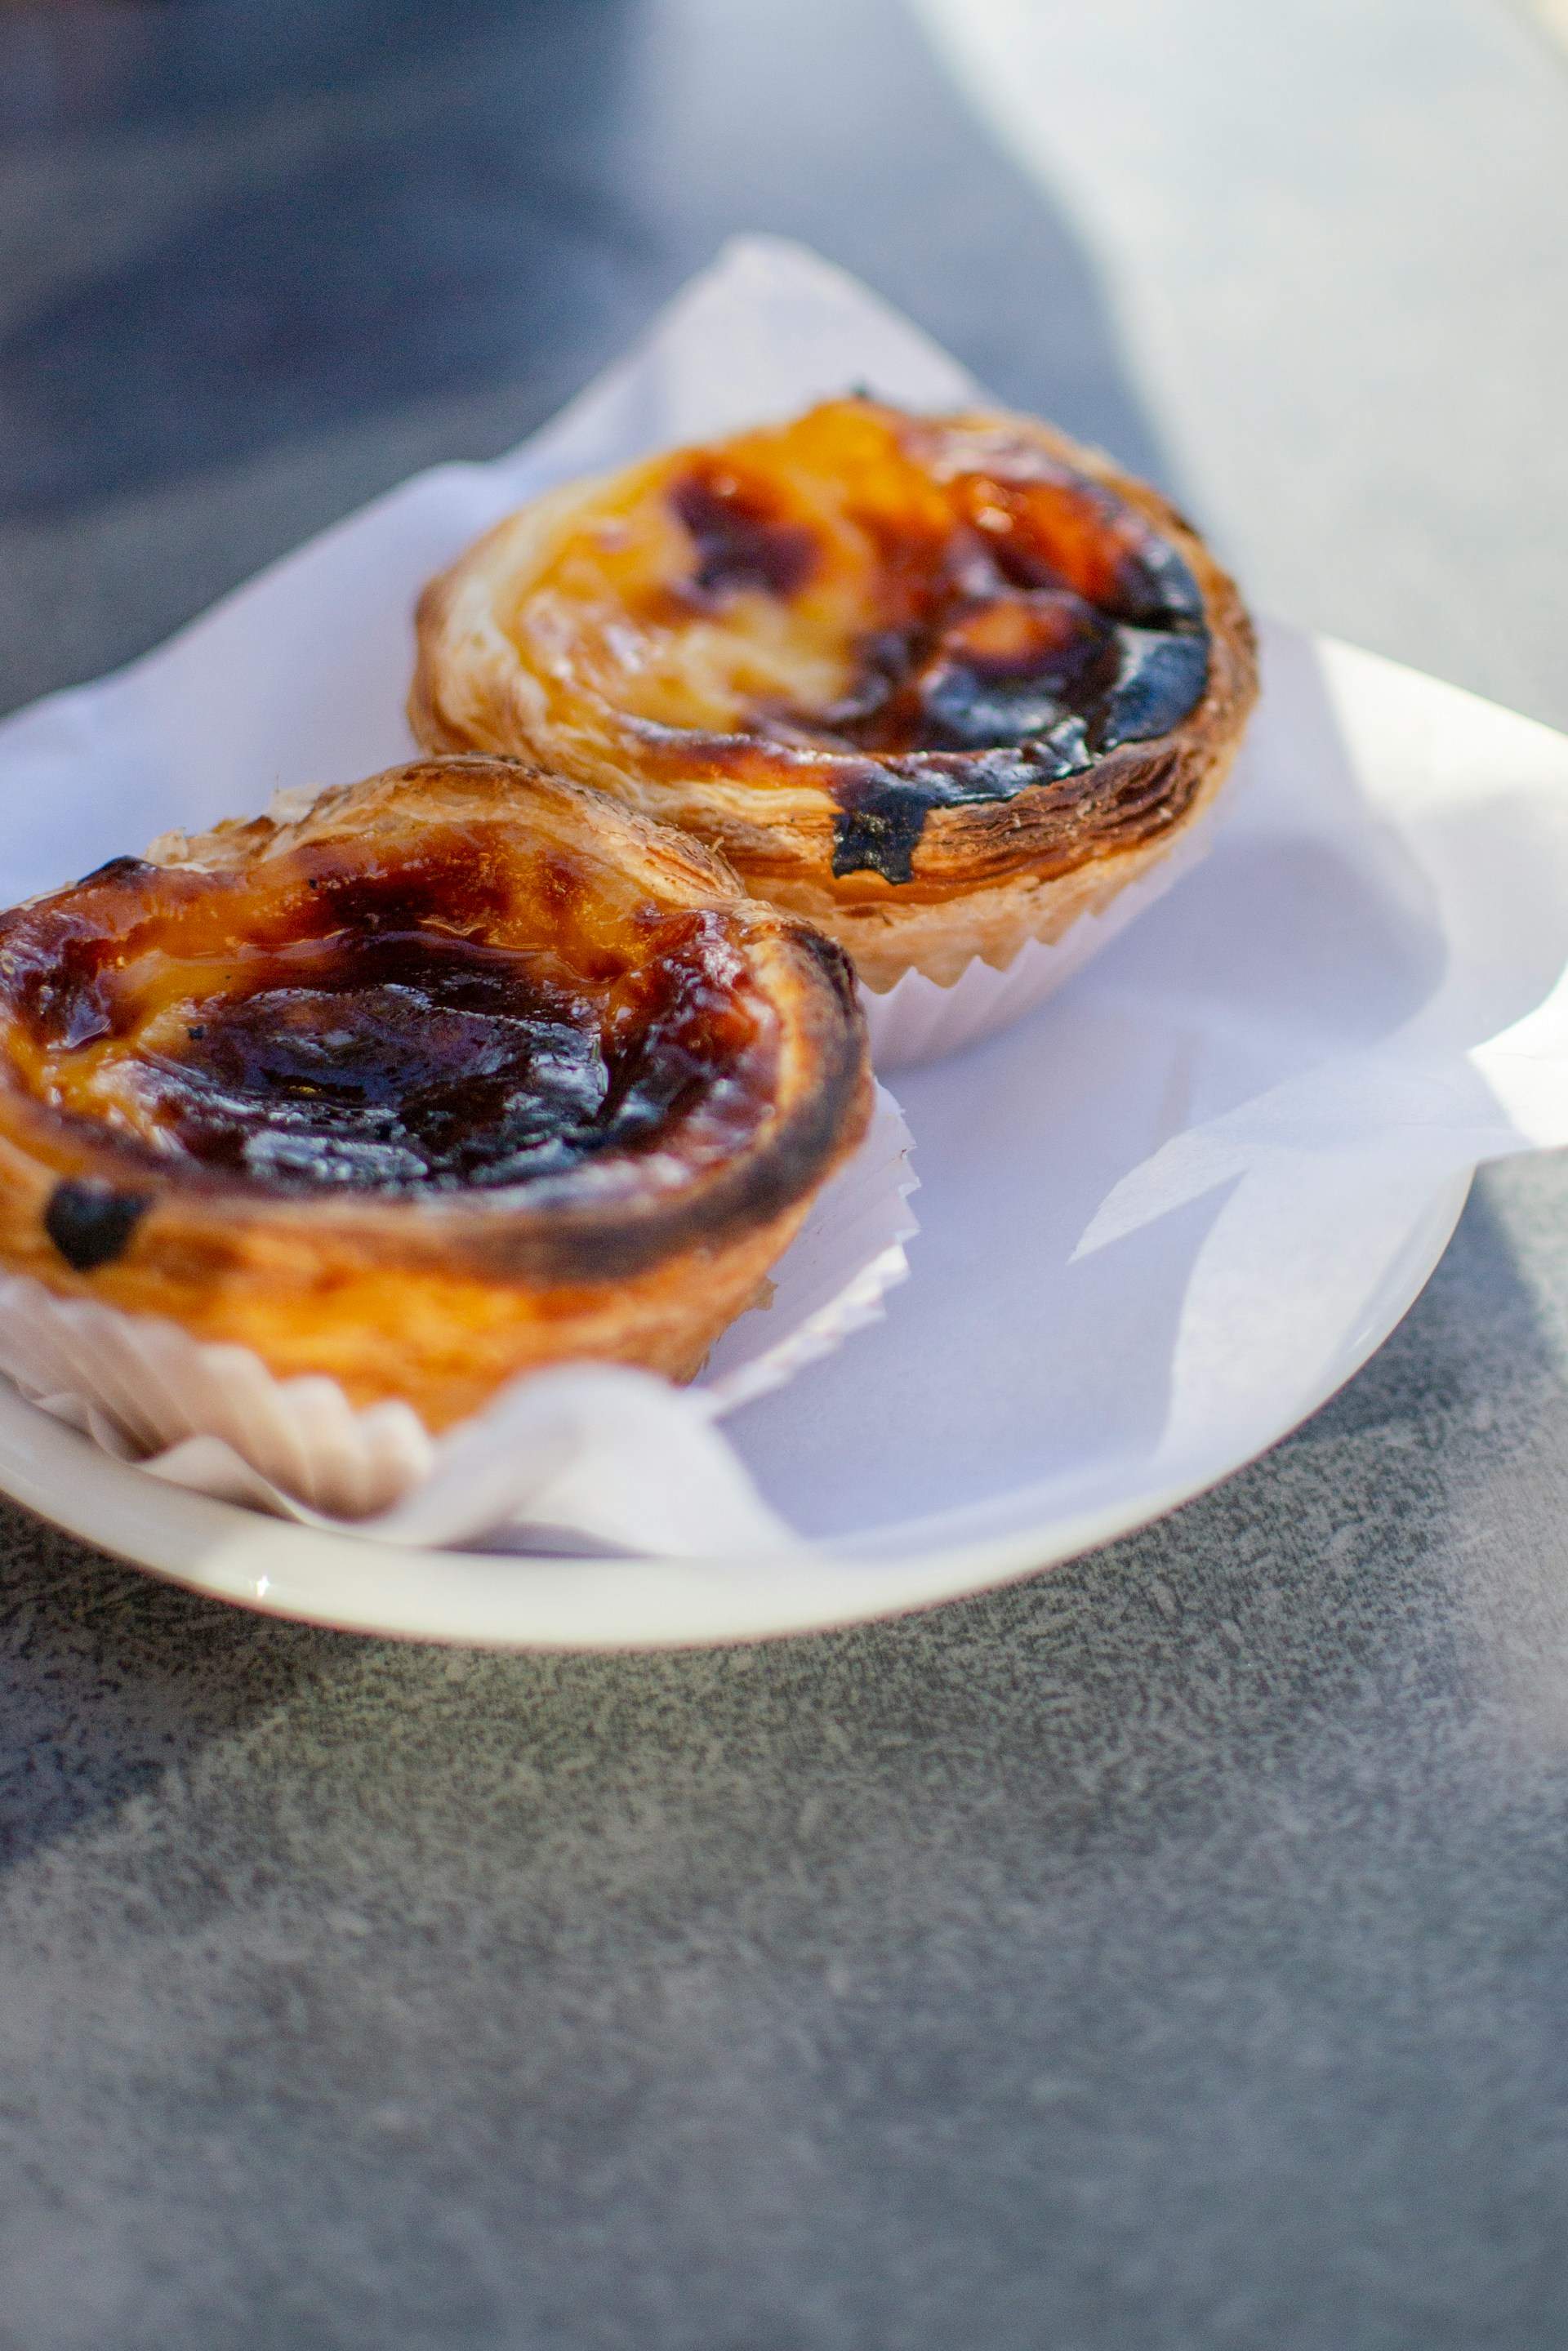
[[454, 1073], [942, 683]]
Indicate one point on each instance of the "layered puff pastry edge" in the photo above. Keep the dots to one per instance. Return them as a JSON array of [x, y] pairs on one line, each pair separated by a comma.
[[941, 684], [450, 1074]]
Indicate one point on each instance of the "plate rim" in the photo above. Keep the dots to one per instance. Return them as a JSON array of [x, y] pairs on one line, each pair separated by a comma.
[[223, 1550]]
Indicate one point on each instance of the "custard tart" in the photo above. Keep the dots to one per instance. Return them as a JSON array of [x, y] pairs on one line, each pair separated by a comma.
[[941, 684], [454, 1073]]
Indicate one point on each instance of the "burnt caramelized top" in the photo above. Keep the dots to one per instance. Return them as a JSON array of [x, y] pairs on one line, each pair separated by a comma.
[[435, 1014], [912, 613]]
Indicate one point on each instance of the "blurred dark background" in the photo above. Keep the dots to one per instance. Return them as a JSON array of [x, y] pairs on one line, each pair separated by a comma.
[[309, 245], [261, 258]]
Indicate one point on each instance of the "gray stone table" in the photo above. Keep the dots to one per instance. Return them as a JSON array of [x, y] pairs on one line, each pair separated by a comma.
[[1171, 1951]]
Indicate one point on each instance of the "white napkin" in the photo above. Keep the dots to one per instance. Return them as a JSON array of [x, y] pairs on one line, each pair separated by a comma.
[[1156, 1215]]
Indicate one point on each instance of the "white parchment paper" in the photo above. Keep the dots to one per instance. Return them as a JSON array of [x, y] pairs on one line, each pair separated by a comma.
[[1156, 1212]]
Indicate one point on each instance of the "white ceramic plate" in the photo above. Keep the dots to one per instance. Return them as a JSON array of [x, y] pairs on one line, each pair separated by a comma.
[[508, 1603], [1162, 1217]]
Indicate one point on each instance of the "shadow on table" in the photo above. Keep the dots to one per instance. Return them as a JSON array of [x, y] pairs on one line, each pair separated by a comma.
[[378, 206], [138, 65]]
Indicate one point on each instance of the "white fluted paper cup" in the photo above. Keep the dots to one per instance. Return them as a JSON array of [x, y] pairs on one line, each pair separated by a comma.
[[597, 1450], [919, 1019]]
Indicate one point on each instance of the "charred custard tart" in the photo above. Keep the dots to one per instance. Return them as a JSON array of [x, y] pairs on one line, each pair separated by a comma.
[[459, 1072], [942, 683]]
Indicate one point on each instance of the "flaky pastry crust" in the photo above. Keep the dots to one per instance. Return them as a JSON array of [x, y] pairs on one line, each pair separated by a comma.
[[940, 683], [455, 1072]]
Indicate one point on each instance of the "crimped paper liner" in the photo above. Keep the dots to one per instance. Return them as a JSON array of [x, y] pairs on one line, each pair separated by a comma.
[[918, 1019], [214, 1416]]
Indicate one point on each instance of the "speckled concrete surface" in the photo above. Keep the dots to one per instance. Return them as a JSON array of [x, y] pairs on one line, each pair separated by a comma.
[[1168, 1952]]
